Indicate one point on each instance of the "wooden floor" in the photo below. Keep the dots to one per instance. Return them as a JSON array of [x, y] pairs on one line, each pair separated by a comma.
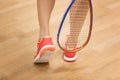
[[100, 60]]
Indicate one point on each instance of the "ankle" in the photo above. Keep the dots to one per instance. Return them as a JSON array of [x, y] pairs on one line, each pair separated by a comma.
[[44, 36]]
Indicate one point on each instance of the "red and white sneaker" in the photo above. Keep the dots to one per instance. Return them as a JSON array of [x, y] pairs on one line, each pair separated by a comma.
[[70, 56], [44, 49]]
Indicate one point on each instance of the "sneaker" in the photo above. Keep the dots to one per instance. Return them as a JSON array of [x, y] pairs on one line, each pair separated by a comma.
[[44, 49], [70, 56]]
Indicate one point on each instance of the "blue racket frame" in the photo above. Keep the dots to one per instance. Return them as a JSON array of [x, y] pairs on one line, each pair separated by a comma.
[[63, 19]]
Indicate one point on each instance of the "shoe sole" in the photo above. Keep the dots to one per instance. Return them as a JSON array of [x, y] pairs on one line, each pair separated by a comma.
[[44, 54], [70, 59]]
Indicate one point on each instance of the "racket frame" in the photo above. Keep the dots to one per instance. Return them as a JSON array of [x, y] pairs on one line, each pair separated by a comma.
[[90, 28]]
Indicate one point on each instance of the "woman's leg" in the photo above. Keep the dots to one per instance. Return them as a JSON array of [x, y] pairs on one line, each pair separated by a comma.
[[45, 44], [45, 8], [78, 14]]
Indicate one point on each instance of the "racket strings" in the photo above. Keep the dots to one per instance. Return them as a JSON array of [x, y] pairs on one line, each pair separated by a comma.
[[78, 14]]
